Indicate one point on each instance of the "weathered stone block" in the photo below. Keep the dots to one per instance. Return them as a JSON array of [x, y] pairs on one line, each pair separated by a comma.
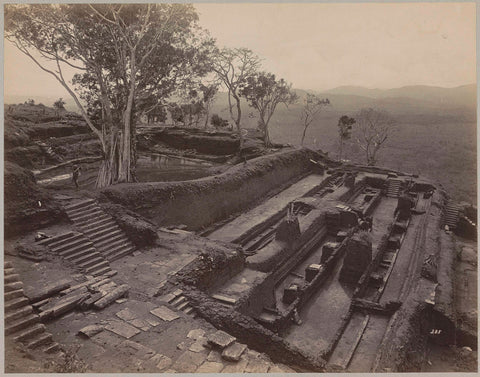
[[234, 351], [220, 339], [327, 250], [357, 257], [312, 271]]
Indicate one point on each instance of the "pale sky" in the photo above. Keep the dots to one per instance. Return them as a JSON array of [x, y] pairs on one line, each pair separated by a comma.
[[323, 45]]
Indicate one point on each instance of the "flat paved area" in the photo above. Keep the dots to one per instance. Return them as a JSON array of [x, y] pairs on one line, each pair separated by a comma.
[[264, 211], [322, 316], [364, 356], [382, 218]]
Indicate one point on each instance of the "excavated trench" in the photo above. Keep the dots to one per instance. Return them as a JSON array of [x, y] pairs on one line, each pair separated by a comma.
[[346, 325]]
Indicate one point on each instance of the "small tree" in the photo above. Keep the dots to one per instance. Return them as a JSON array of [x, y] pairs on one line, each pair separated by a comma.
[[218, 122], [264, 93], [345, 124], [59, 104], [311, 107], [374, 129]]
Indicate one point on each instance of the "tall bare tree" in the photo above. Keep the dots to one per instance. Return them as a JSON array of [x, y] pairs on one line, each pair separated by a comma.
[[312, 105], [375, 127], [264, 93], [232, 67]]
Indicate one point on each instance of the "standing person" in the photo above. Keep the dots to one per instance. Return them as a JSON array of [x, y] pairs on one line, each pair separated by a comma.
[[75, 174]]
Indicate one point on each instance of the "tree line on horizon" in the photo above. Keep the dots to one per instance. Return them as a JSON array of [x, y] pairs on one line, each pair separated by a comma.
[[132, 59]]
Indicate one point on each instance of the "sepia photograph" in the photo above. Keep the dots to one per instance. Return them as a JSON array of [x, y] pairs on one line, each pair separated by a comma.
[[240, 187]]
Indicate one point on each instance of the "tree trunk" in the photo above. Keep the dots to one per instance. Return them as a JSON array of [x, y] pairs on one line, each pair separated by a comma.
[[266, 138], [340, 150], [124, 169], [207, 114], [304, 133], [237, 122]]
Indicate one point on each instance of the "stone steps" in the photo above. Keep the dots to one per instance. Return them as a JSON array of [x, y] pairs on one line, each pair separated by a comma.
[[100, 228], [80, 251], [178, 301], [451, 215], [393, 189], [22, 323]]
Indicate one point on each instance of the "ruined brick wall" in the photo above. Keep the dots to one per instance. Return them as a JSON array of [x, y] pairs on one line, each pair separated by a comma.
[[201, 202]]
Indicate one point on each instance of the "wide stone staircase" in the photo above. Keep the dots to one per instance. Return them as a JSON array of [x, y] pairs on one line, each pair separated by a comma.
[[451, 215], [393, 189], [20, 320], [100, 228], [74, 247]]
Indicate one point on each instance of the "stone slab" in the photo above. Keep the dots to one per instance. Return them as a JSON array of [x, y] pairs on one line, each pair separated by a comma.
[[137, 349], [126, 314], [152, 321], [107, 339], [257, 365], [140, 323], [90, 330], [214, 356], [165, 313], [198, 345], [189, 361], [210, 367], [234, 351], [196, 334], [220, 339], [236, 367], [162, 362], [280, 368], [121, 328]]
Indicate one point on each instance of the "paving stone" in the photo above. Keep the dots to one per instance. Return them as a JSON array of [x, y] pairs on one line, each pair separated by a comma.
[[162, 361], [121, 328], [90, 330], [189, 361], [195, 334], [214, 356], [140, 323], [107, 339], [181, 346], [253, 354], [234, 351], [165, 313], [126, 314], [152, 321], [280, 368], [257, 365], [139, 350], [236, 367], [210, 367], [198, 346], [220, 339]]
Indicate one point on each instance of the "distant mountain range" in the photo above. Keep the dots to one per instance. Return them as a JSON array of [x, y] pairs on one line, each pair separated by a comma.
[[460, 96], [417, 100]]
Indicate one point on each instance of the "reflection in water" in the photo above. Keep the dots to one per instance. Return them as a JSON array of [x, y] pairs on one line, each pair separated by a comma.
[[153, 167], [162, 161], [150, 168]]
